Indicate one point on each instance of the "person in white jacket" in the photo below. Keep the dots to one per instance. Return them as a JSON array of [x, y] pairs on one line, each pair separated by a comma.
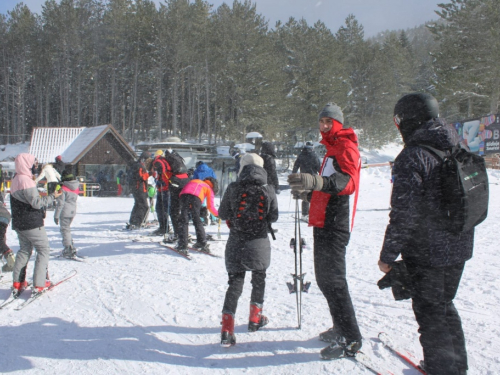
[[51, 175], [66, 211]]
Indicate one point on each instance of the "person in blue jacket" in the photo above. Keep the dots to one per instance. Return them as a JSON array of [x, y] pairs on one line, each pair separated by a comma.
[[202, 172]]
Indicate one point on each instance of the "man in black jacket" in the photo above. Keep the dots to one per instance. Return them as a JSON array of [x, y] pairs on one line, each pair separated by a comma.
[[307, 162], [434, 256], [268, 154]]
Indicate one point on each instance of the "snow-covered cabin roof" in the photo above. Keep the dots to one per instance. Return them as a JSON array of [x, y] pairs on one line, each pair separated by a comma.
[[72, 146], [47, 143]]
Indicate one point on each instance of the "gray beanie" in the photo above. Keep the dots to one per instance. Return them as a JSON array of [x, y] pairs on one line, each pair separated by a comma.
[[333, 111], [250, 158]]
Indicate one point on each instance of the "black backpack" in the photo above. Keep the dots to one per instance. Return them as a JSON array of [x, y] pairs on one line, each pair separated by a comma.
[[253, 206], [464, 188], [176, 162]]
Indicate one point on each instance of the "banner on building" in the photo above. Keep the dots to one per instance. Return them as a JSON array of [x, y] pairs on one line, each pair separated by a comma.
[[482, 135]]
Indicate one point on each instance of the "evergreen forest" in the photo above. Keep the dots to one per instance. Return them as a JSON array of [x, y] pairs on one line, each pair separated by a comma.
[[184, 68]]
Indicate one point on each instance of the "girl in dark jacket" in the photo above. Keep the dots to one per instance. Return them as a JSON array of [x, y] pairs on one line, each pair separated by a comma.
[[268, 155], [245, 251]]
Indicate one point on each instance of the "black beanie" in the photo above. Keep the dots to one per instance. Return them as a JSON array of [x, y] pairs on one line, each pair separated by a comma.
[[333, 111]]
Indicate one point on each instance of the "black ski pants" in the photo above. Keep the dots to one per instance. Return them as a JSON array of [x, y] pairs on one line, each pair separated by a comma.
[[3, 238], [233, 293], [441, 334], [330, 268], [162, 208], [140, 208], [190, 204], [175, 201]]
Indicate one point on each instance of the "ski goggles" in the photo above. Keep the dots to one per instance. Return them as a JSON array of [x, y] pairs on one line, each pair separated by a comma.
[[397, 121]]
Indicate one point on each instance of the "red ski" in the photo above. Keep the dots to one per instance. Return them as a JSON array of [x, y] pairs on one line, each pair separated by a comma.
[[52, 286], [401, 353], [187, 256]]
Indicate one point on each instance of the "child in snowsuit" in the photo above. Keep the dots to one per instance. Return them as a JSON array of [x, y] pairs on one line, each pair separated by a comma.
[[5, 251], [27, 220], [191, 197], [66, 211], [246, 251], [201, 172]]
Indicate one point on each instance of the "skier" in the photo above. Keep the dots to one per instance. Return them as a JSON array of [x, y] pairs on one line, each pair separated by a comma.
[[51, 175], [246, 251], [435, 257], [66, 211], [268, 154], [5, 250], [178, 178], [307, 162], [27, 220], [201, 172], [191, 197], [329, 215], [160, 168], [139, 185]]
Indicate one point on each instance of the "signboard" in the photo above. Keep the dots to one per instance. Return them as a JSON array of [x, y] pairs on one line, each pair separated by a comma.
[[482, 135]]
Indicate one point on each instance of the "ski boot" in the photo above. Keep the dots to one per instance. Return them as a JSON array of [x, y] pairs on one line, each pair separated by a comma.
[[182, 249], [172, 238], [340, 349], [202, 247], [18, 287], [158, 232], [40, 289], [330, 336], [227, 337], [69, 252], [256, 319]]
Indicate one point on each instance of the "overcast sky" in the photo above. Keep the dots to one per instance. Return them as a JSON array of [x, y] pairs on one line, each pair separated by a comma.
[[374, 15]]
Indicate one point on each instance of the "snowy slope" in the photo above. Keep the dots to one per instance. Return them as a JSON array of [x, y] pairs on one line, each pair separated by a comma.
[[138, 308]]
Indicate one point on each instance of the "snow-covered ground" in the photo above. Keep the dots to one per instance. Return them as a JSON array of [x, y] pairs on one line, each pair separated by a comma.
[[138, 308]]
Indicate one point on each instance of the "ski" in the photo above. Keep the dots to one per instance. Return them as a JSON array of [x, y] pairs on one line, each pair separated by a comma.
[[187, 256], [203, 252], [403, 354], [76, 258], [38, 295], [13, 297], [366, 361]]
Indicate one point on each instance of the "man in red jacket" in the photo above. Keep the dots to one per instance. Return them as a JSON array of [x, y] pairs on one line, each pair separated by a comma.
[[330, 216]]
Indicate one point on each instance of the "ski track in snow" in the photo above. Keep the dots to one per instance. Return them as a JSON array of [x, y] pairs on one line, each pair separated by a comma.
[[137, 307]]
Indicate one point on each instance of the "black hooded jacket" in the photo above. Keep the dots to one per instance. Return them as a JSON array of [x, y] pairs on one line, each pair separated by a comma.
[[415, 230], [245, 252], [268, 154], [307, 162]]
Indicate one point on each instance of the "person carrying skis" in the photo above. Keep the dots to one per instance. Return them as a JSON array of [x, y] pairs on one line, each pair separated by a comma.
[[5, 250], [268, 154], [201, 172], [307, 162], [27, 220], [139, 185], [248, 247], [66, 211], [191, 198], [434, 256], [160, 169], [329, 215], [51, 175]]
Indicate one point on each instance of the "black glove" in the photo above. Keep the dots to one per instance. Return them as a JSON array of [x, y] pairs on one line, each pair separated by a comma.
[[301, 194], [56, 220], [305, 181]]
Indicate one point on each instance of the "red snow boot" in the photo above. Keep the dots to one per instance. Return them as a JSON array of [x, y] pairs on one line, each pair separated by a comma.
[[39, 289], [19, 286], [256, 319], [227, 337]]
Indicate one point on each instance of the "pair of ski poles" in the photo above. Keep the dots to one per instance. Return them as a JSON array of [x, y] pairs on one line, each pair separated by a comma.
[[298, 285]]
